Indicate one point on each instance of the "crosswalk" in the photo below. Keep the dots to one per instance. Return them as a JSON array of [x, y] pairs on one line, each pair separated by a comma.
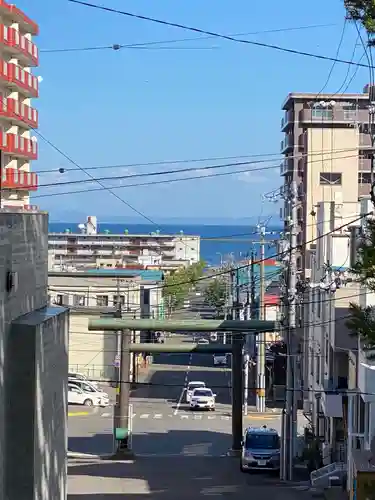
[[170, 416]]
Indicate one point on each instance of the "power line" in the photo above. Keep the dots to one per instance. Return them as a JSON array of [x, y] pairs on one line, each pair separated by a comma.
[[178, 40], [196, 160], [153, 183], [213, 34]]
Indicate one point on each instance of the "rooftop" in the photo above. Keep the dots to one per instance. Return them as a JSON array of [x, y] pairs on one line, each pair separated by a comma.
[[144, 274], [302, 96]]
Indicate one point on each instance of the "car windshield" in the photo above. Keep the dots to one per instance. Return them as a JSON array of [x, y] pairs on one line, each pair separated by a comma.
[[262, 441], [88, 388], [203, 392], [77, 376], [195, 385]]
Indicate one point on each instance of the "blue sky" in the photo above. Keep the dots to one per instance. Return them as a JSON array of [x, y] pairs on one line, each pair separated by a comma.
[[133, 106]]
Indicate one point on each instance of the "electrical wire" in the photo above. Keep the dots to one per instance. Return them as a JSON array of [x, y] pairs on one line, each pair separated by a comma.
[[161, 42], [165, 181], [211, 33]]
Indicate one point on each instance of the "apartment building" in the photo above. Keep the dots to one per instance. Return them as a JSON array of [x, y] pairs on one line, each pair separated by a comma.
[[18, 86], [326, 150], [339, 388], [104, 250]]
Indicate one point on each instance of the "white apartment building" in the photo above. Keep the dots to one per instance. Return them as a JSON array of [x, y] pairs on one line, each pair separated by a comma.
[[339, 392], [327, 148], [18, 86], [105, 250]]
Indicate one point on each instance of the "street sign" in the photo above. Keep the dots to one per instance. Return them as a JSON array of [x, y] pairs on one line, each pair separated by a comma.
[[116, 361]]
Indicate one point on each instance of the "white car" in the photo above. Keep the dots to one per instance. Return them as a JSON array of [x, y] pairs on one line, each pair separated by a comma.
[[77, 396], [89, 389], [220, 359], [203, 399], [203, 341], [191, 388], [80, 377]]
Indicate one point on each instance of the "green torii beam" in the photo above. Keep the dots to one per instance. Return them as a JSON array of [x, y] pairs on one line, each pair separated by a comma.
[[206, 325]]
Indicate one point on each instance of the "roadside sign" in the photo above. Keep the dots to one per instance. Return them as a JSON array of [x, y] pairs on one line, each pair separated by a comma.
[[116, 361]]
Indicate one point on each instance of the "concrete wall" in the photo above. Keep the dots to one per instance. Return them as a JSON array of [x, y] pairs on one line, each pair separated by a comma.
[[23, 278]]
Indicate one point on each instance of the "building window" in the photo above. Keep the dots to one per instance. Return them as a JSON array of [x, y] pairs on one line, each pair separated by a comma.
[[318, 368], [364, 177], [59, 300], [119, 299], [79, 300], [331, 179], [322, 113], [102, 300]]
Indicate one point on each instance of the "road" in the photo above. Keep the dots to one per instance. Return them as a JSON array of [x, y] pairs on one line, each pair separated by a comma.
[[176, 450]]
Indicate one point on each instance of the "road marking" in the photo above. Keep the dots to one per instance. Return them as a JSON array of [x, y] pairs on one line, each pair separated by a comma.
[[185, 385], [145, 415], [78, 414], [106, 414], [262, 417], [197, 417], [158, 415], [184, 416]]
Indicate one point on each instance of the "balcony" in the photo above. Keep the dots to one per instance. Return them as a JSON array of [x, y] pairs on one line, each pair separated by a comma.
[[12, 178], [18, 78], [287, 120], [21, 47], [18, 146], [287, 143], [15, 15], [19, 113], [365, 141], [287, 166], [364, 165], [333, 115]]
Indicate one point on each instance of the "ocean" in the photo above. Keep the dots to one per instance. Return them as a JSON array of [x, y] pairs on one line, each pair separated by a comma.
[[229, 242]]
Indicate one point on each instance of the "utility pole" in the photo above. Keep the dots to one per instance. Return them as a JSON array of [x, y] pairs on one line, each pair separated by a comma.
[[122, 430], [291, 397], [261, 351]]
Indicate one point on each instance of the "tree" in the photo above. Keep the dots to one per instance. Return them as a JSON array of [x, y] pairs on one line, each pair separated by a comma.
[[215, 294], [362, 319], [362, 11], [178, 284]]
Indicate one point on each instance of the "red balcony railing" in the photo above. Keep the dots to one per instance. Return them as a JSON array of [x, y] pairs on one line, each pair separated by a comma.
[[11, 178], [12, 38], [19, 17], [23, 80], [17, 111], [18, 146]]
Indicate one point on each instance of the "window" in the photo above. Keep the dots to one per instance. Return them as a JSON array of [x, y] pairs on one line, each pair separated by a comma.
[[79, 300], [119, 299], [102, 300], [322, 113], [318, 367], [364, 178], [262, 441], [59, 300], [329, 178]]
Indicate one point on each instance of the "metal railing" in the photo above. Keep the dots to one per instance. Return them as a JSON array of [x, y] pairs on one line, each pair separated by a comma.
[[320, 477]]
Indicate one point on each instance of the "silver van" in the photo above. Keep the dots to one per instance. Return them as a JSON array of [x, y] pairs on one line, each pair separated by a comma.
[[260, 449]]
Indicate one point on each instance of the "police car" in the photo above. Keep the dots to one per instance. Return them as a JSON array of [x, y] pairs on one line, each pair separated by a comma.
[[260, 449]]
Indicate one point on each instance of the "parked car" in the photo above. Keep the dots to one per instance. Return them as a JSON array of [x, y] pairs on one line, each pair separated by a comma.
[[81, 377], [78, 396], [260, 449], [202, 399], [90, 389]]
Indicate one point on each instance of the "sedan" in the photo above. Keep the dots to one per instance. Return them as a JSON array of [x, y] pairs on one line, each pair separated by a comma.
[[202, 399]]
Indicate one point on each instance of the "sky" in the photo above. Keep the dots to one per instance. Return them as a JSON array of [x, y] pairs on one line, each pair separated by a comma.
[[205, 98]]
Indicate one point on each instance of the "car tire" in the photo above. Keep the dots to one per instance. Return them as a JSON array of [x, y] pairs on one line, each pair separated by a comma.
[[88, 402]]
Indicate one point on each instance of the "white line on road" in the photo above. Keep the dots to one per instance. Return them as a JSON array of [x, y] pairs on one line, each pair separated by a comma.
[[158, 415], [185, 385], [145, 415]]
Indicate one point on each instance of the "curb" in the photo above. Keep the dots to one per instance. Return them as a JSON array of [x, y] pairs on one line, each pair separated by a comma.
[[89, 456]]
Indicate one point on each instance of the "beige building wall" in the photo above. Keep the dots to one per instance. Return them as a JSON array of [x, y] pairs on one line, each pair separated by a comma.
[[91, 353], [340, 155]]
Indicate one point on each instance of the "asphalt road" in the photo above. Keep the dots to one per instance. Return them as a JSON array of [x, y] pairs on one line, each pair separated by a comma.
[[162, 423], [168, 478]]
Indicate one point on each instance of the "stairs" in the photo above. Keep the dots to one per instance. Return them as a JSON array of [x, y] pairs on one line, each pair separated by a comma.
[[320, 478]]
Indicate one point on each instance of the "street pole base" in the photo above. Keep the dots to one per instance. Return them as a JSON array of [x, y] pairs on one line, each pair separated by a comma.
[[126, 454], [234, 453]]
